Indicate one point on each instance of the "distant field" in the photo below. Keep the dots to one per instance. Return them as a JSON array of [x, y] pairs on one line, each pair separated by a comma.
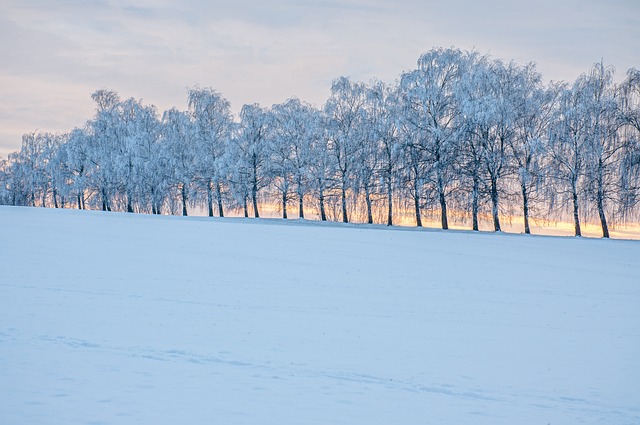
[[114, 318]]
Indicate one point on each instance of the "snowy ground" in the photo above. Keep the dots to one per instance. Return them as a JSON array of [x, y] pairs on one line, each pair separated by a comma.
[[110, 318]]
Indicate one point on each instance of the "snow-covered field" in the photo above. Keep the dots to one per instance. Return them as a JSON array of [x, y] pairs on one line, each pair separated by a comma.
[[112, 318]]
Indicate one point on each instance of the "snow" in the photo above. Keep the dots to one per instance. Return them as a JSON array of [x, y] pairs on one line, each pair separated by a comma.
[[113, 318]]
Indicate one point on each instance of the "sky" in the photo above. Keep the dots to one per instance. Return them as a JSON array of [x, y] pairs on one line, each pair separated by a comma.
[[54, 54]]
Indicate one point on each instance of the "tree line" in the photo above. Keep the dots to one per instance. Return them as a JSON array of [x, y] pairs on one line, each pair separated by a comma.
[[463, 136]]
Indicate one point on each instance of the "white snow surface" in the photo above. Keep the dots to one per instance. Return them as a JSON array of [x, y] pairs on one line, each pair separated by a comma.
[[114, 318]]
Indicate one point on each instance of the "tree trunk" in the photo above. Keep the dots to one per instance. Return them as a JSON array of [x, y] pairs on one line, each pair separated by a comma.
[[284, 205], [367, 197], [603, 218], [525, 208], [576, 217], [184, 200], [219, 196], [345, 219], [416, 202], [254, 199], [79, 202], [474, 203], [209, 199], [301, 205], [105, 201], [418, 218], [323, 215], [443, 201], [244, 206], [129, 206], [390, 204], [55, 198], [443, 211], [494, 205]]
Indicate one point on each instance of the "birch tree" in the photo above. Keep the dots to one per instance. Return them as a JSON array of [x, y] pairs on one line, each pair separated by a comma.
[[345, 114], [213, 121], [179, 152], [568, 149], [430, 95], [383, 108], [536, 106], [251, 154]]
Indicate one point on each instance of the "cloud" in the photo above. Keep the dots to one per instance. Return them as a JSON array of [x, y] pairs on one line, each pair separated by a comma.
[[57, 53]]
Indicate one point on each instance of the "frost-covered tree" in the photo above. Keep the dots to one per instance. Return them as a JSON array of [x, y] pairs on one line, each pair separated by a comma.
[[431, 97], [122, 139], [250, 154], [383, 128], [490, 108], [461, 132], [630, 133], [345, 111], [179, 153], [56, 168], [323, 166], [413, 168], [605, 146], [142, 134], [76, 159], [367, 162], [103, 146], [568, 149], [6, 183], [293, 129], [31, 166], [535, 106], [213, 121]]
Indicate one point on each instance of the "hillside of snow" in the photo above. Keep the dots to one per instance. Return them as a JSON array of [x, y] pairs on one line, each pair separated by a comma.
[[113, 318]]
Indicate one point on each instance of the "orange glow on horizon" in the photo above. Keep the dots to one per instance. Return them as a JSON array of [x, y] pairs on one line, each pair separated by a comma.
[[431, 220]]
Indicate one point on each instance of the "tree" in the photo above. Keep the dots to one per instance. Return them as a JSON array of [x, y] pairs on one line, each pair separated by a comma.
[[30, 166], [413, 168], [76, 153], [213, 120], [251, 154], [55, 168], [568, 148], [605, 147], [179, 153], [139, 132], [294, 128], [630, 163], [383, 126], [6, 182], [103, 147], [430, 95], [322, 168], [490, 109], [535, 107], [345, 114]]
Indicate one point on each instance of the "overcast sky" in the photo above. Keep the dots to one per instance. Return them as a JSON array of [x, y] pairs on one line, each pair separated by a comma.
[[55, 53]]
